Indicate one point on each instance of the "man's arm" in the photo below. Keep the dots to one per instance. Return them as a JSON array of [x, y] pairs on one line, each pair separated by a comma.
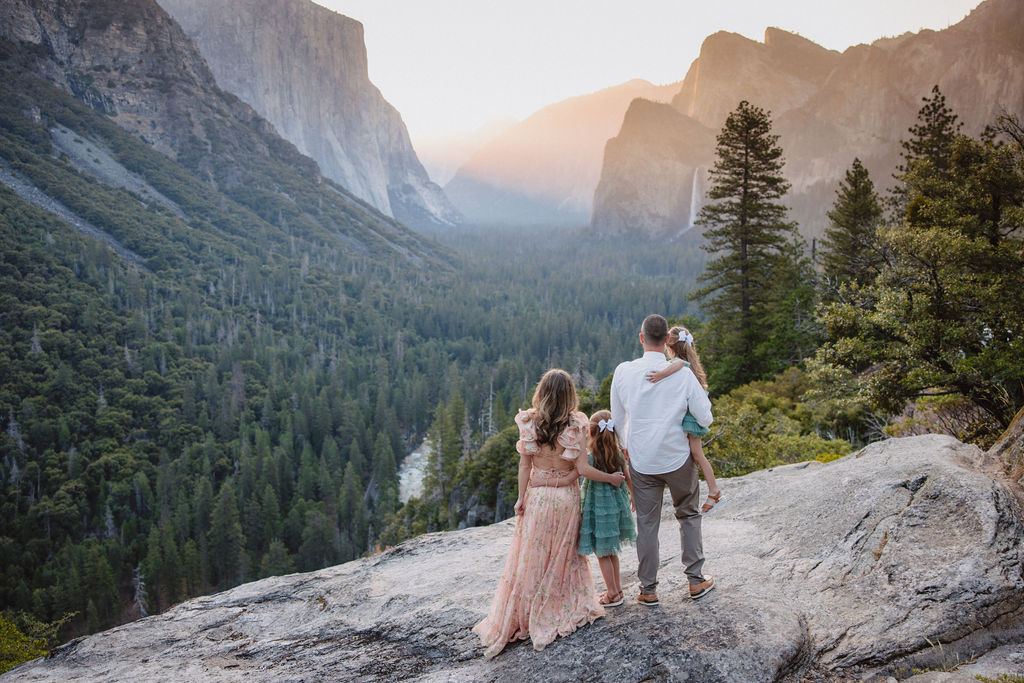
[[618, 409]]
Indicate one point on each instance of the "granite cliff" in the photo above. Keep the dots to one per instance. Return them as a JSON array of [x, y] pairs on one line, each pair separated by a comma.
[[827, 108], [543, 170], [304, 68], [904, 555], [129, 60]]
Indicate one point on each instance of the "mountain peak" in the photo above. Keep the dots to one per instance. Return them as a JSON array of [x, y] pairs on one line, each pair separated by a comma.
[[780, 39]]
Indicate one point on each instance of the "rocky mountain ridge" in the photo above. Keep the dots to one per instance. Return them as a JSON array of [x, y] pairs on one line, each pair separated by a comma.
[[132, 62], [304, 68], [827, 108], [904, 555]]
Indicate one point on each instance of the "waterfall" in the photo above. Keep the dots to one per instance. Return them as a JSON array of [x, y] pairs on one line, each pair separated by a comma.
[[694, 198], [411, 472]]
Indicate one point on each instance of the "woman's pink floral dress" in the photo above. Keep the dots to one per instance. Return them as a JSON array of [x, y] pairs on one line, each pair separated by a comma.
[[547, 589]]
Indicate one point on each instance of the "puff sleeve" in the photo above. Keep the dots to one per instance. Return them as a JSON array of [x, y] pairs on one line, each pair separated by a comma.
[[527, 443], [574, 438]]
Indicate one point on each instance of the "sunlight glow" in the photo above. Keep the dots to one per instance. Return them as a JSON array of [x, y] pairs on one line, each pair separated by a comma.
[[449, 66]]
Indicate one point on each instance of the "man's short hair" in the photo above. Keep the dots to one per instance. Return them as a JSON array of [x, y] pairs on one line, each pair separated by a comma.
[[654, 329]]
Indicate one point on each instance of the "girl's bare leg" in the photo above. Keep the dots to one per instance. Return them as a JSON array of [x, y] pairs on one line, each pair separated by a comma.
[[697, 453], [609, 574], [616, 574]]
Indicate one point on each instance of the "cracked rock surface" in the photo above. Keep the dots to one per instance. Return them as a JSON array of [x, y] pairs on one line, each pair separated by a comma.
[[857, 568]]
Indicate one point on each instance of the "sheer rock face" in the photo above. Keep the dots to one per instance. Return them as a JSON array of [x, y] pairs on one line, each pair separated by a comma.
[[859, 565], [653, 180], [129, 60], [132, 61], [304, 68], [826, 107]]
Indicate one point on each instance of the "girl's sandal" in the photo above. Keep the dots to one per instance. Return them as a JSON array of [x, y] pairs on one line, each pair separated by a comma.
[[713, 500]]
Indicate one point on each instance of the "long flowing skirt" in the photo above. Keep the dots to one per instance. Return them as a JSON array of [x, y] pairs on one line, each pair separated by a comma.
[[546, 589]]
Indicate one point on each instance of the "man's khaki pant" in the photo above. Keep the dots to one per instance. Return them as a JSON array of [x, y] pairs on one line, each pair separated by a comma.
[[649, 490]]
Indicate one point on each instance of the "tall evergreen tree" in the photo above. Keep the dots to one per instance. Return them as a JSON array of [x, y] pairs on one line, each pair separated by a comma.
[[276, 561], [750, 243], [385, 474], [851, 250], [227, 543], [931, 141], [931, 138]]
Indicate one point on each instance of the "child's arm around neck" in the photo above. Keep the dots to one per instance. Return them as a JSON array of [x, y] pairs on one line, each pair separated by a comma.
[[674, 366]]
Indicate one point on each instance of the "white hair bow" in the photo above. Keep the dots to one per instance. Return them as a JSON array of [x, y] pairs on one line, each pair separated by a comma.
[[606, 424], [686, 338]]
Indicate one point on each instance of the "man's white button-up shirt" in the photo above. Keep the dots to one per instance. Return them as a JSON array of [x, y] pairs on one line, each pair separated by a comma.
[[648, 415]]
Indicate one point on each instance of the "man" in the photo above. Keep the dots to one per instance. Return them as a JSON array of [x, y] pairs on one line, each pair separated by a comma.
[[648, 419]]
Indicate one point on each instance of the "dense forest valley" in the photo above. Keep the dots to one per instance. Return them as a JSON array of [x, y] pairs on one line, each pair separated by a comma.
[[228, 397], [222, 389]]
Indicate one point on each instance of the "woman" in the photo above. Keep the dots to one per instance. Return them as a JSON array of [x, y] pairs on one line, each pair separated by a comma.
[[547, 589]]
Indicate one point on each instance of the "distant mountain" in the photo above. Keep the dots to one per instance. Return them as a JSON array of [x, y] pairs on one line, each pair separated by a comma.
[[544, 169], [318, 95], [442, 156], [827, 107]]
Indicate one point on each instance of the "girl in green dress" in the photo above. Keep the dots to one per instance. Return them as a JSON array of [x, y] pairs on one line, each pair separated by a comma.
[[607, 515], [683, 354]]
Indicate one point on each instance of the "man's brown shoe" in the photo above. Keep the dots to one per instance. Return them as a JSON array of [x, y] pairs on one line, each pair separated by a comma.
[[699, 590], [649, 599]]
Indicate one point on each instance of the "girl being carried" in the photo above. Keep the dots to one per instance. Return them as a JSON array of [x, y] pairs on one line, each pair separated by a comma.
[[683, 354]]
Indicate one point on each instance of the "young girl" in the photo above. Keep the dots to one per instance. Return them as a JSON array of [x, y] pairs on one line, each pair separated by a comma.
[[681, 351], [607, 510]]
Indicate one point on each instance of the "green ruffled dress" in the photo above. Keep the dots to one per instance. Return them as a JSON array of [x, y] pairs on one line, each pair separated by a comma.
[[690, 424], [606, 520]]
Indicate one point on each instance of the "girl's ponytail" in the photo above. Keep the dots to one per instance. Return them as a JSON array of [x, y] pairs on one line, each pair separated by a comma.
[[681, 341]]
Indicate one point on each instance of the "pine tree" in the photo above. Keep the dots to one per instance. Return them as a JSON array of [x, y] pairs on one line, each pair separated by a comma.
[[276, 561], [932, 136], [151, 570], [750, 243], [191, 567], [852, 251], [931, 141], [271, 514], [227, 543], [385, 474], [318, 547]]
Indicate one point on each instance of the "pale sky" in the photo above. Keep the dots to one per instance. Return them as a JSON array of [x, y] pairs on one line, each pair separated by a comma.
[[450, 66]]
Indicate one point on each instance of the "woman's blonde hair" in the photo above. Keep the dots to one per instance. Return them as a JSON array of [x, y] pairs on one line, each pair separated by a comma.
[[687, 351], [604, 445], [554, 402]]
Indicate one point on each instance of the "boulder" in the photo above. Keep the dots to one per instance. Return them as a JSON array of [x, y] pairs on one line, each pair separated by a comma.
[[906, 555], [1010, 448]]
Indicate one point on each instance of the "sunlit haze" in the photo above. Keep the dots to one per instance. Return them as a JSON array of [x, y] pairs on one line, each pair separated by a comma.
[[450, 66]]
